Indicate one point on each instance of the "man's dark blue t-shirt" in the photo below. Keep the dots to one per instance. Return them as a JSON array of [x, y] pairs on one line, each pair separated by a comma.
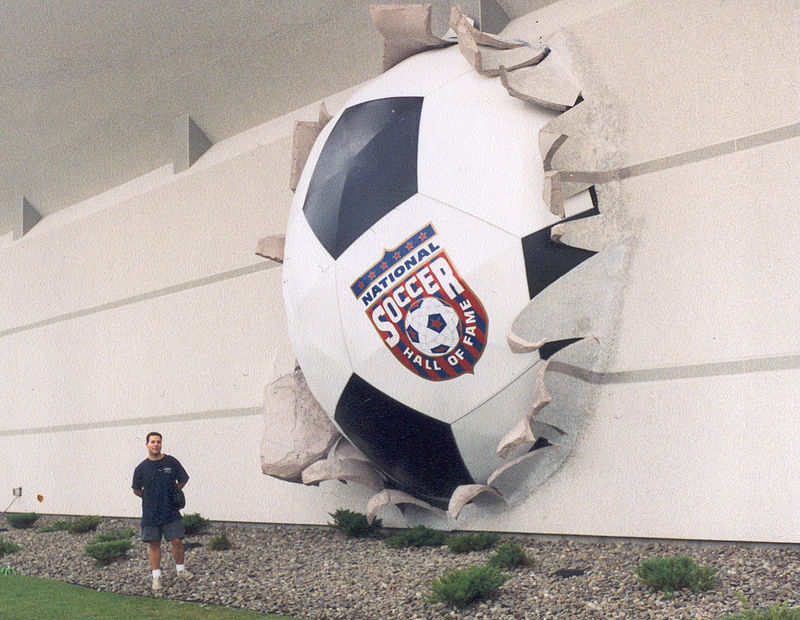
[[156, 480]]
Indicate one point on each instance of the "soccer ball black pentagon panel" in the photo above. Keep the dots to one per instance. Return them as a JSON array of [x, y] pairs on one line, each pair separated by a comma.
[[417, 234]]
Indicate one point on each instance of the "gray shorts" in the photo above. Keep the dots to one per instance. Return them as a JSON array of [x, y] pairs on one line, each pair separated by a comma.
[[170, 531]]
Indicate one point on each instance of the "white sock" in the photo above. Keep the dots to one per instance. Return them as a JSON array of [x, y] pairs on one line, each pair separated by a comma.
[[179, 567], [157, 572]]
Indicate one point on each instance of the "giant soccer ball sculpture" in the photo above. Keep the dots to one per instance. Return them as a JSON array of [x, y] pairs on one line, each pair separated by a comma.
[[417, 234]]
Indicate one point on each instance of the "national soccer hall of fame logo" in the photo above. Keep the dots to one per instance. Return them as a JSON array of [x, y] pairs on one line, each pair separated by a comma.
[[432, 322]]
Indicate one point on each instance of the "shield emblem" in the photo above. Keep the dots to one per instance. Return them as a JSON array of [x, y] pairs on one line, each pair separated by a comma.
[[426, 314]]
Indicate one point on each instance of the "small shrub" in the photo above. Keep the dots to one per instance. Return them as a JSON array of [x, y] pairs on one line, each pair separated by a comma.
[[463, 543], [22, 520], [354, 524], [462, 587], [105, 552], [56, 526], [194, 524], [7, 570], [776, 612], [419, 536], [82, 525], [509, 555], [118, 534], [221, 543], [676, 573], [7, 546]]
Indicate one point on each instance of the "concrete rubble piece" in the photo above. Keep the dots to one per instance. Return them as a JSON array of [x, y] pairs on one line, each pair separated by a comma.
[[522, 434], [305, 134], [271, 247], [548, 84], [392, 497], [406, 29], [489, 54], [297, 432], [345, 470], [465, 494]]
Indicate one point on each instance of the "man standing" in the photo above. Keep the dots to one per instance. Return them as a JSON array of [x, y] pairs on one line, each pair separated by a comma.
[[155, 480]]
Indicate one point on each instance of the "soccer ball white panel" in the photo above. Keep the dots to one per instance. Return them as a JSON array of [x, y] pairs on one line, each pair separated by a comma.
[[314, 326], [478, 151], [416, 76], [478, 433], [426, 298]]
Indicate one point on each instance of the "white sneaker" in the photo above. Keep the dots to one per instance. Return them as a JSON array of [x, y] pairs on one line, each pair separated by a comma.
[[185, 575], [157, 582]]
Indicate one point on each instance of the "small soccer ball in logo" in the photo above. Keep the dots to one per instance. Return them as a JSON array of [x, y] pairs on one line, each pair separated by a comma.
[[432, 326]]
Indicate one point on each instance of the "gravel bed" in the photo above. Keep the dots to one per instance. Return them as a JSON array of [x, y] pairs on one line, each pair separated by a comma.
[[314, 572]]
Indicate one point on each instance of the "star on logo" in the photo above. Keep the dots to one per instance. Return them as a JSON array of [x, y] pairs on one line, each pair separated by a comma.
[[371, 275], [409, 245], [384, 265], [422, 236], [396, 256]]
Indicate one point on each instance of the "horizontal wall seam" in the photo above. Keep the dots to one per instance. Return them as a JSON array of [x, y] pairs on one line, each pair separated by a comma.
[[671, 373], [169, 290], [216, 414]]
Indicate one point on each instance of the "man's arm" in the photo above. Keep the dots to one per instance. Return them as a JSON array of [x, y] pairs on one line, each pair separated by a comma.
[[137, 485], [181, 477]]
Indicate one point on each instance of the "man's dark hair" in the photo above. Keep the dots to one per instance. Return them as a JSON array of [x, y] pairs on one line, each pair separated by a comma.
[[150, 434]]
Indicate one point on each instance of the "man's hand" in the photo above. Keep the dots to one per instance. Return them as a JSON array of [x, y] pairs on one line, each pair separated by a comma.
[[137, 492]]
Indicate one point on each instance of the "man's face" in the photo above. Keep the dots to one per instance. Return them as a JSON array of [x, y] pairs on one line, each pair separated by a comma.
[[154, 445]]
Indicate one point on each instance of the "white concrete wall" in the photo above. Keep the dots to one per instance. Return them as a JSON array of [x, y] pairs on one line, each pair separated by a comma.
[[147, 309]]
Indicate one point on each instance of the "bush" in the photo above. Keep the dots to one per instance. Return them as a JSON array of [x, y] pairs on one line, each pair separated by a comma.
[[22, 520], [105, 552], [221, 543], [82, 525], [462, 587], [7, 570], [56, 526], [676, 573], [194, 524], [776, 612], [354, 524], [420, 536], [7, 547], [118, 534], [463, 543], [509, 555]]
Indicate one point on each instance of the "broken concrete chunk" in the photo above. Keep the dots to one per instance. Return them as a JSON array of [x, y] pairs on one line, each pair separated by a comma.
[[523, 432], [305, 134], [345, 470], [552, 194], [487, 60], [297, 432], [346, 450], [516, 438], [392, 497], [548, 84], [537, 457], [406, 29], [459, 20], [271, 247], [518, 344], [465, 494]]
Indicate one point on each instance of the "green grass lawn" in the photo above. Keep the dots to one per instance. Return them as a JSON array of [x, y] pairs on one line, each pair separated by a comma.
[[29, 597]]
